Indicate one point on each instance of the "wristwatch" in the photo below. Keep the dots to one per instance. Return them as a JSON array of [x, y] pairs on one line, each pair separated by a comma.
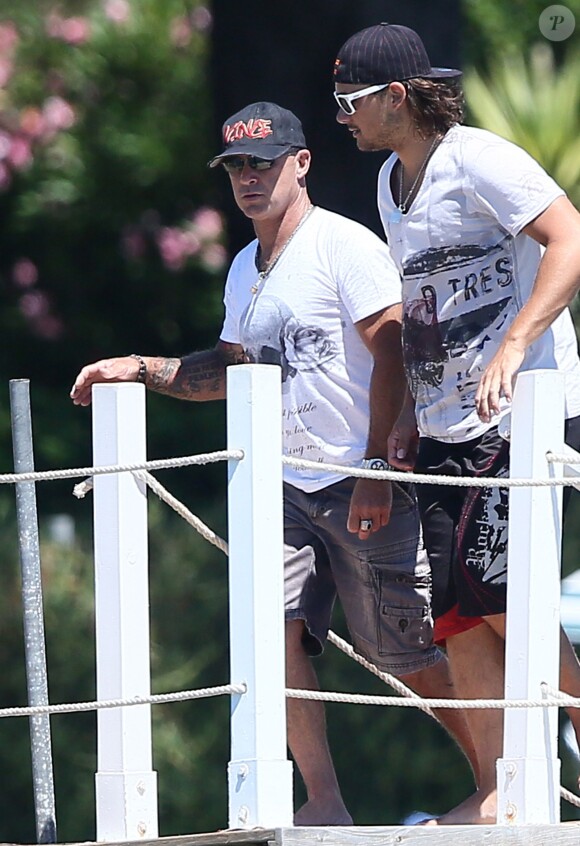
[[375, 464]]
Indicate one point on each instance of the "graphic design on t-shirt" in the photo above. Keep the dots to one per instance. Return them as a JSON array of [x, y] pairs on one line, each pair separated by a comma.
[[271, 334], [456, 306]]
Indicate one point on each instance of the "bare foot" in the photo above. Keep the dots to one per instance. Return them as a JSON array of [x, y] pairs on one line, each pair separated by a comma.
[[321, 812], [478, 809]]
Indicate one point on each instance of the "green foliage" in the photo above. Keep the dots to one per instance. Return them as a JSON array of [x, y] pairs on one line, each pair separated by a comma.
[[109, 245], [495, 30], [537, 106], [188, 650]]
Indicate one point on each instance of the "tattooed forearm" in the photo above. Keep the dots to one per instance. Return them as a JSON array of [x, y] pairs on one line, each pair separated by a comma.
[[199, 376], [161, 373], [202, 376]]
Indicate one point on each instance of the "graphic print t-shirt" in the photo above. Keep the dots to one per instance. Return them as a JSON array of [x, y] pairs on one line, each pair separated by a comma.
[[333, 273], [467, 270]]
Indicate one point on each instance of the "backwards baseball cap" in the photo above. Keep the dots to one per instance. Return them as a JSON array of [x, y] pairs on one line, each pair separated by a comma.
[[385, 53], [261, 129]]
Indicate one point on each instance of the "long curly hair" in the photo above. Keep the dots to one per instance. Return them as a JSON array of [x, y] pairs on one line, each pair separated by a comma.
[[435, 105]]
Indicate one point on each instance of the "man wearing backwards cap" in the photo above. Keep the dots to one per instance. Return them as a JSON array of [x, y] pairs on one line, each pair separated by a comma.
[[318, 295], [467, 216]]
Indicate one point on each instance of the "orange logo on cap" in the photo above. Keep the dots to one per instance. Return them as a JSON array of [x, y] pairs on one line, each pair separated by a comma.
[[259, 128], [336, 66]]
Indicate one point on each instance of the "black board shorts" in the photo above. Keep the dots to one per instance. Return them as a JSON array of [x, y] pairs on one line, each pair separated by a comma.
[[466, 529]]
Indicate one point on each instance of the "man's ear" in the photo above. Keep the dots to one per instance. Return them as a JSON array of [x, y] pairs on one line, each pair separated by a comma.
[[303, 159], [397, 94]]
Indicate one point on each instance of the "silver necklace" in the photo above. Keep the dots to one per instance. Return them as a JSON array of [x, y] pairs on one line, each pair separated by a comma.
[[396, 215], [263, 274]]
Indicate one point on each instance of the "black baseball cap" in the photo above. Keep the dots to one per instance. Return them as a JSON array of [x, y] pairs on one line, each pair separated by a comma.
[[385, 53], [261, 129]]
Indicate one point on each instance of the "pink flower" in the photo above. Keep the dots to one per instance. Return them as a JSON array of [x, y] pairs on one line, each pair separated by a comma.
[[48, 326], [180, 32], [6, 69], [214, 256], [117, 10], [24, 273], [201, 19], [191, 243], [9, 37], [71, 30], [32, 122], [34, 304], [20, 153], [171, 247], [58, 114], [5, 144], [208, 223]]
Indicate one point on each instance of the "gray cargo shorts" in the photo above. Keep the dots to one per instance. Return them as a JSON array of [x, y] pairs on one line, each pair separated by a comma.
[[383, 583]]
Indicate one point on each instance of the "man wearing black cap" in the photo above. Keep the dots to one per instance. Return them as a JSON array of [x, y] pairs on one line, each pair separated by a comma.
[[318, 295], [467, 216]]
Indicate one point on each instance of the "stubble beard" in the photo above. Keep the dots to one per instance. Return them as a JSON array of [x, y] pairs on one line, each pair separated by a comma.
[[385, 137]]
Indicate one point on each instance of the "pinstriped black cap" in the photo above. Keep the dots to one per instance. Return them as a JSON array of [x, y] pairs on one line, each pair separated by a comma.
[[384, 53]]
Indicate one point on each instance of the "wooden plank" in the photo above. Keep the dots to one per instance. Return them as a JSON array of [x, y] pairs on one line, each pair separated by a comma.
[[564, 834]]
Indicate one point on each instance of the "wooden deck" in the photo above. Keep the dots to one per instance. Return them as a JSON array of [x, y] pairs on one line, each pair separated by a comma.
[[564, 834]]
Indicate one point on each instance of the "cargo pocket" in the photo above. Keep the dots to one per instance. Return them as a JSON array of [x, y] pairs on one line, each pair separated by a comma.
[[404, 620]]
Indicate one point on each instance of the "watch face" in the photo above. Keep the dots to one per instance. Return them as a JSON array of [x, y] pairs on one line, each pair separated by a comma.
[[377, 464]]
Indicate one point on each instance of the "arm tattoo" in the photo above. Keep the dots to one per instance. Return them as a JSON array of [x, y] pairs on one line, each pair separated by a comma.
[[199, 376]]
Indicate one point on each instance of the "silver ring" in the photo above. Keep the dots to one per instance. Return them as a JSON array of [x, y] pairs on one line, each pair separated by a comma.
[[366, 525]]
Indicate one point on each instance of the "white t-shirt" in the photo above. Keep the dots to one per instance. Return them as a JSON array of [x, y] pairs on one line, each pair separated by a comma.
[[467, 270], [333, 273]]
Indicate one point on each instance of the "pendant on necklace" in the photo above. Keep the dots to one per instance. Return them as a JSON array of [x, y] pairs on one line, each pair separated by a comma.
[[396, 216], [256, 286]]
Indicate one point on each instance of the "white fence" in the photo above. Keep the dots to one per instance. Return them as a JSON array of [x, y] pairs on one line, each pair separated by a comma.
[[259, 773]]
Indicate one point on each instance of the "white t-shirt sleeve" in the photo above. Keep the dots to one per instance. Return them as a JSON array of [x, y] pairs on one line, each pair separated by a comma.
[[241, 273], [230, 329], [510, 185], [366, 274]]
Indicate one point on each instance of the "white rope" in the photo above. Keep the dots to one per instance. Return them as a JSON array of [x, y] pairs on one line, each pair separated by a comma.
[[292, 693], [392, 681], [298, 464], [564, 699], [181, 509], [563, 458], [417, 702], [407, 698], [570, 797], [158, 464], [426, 479], [97, 705]]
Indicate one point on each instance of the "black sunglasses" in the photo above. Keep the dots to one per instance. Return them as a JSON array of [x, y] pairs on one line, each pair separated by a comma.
[[235, 164]]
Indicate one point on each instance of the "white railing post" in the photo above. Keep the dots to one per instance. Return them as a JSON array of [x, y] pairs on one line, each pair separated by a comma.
[[259, 774], [529, 772], [126, 785]]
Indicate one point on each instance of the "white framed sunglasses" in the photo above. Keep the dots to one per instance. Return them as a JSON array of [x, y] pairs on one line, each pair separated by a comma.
[[345, 100]]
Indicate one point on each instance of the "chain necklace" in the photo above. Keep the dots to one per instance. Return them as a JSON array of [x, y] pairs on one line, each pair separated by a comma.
[[263, 274], [403, 204]]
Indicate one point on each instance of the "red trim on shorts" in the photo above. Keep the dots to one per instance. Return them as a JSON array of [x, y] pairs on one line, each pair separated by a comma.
[[452, 623]]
